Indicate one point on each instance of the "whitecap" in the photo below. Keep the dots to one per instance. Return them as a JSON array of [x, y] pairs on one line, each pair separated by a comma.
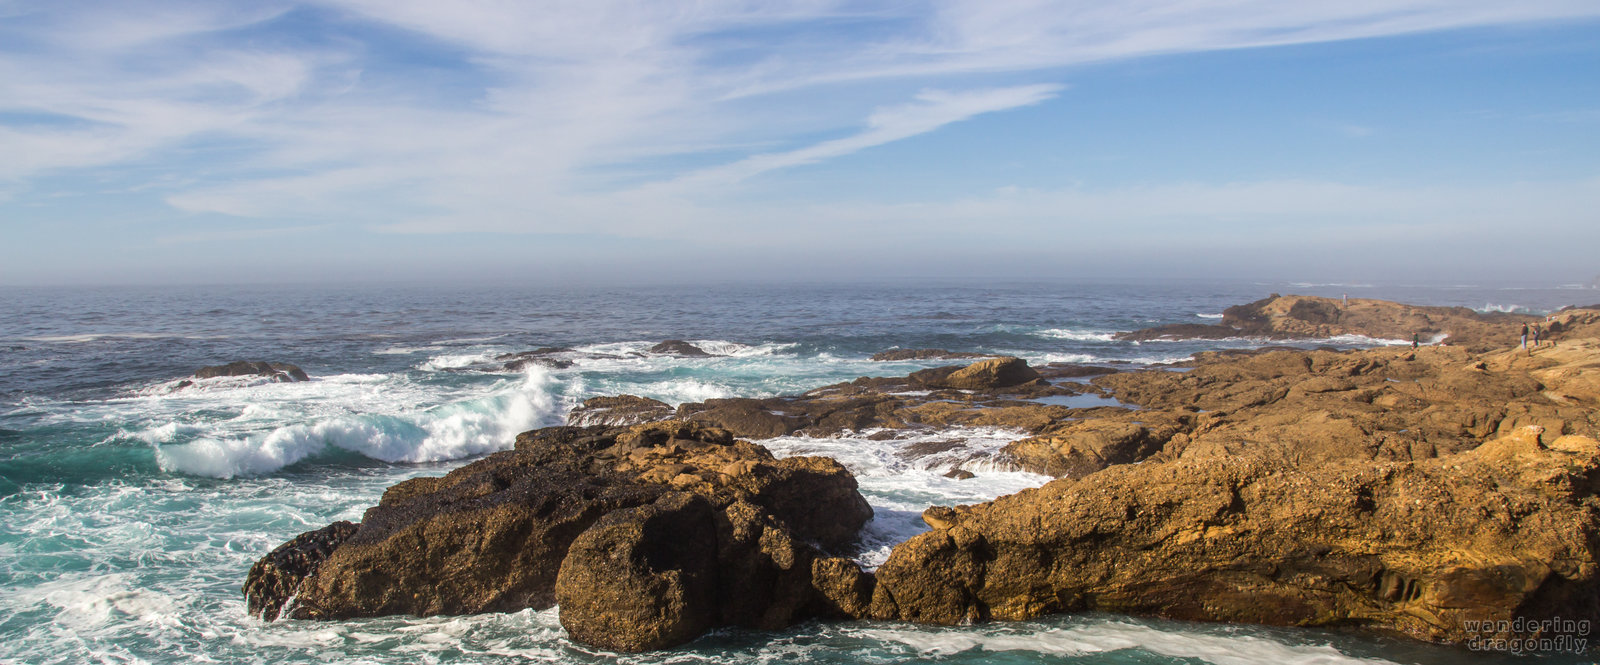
[[1097, 637], [454, 430], [1077, 335]]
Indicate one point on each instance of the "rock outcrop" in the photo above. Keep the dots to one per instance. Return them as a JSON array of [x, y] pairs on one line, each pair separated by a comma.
[[647, 535], [1504, 531], [280, 372], [1310, 317]]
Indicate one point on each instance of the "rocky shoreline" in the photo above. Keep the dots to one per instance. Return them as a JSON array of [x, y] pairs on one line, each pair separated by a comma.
[[1417, 491]]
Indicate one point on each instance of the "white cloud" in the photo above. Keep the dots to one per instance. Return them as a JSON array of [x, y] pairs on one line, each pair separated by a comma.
[[560, 98]]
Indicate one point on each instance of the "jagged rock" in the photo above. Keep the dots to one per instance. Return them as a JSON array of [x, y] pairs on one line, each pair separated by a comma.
[[274, 579], [1497, 533], [1079, 448], [280, 372], [960, 474], [620, 514], [926, 354], [989, 374], [678, 347], [619, 411]]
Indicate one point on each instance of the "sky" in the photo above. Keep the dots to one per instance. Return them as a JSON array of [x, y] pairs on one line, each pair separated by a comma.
[[1437, 141]]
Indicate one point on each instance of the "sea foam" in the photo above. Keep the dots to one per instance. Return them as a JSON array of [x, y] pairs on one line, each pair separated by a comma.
[[453, 430]]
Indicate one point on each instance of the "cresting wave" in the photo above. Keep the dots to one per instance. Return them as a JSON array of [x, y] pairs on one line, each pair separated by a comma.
[[393, 432]]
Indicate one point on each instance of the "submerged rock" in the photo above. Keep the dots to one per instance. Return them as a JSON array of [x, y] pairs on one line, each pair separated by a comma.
[[647, 535], [516, 362], [678, 347], [280, 372]]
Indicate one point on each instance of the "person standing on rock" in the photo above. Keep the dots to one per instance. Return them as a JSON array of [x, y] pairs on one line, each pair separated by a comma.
[[1524, 336], [1413, 341], [1536, 337]]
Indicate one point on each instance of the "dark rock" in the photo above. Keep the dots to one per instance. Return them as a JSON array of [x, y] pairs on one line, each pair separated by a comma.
[[275, 578], [516, 362], [619, 411], [960, 474], [743, 416], [280, 372], [678, 347], [926, 354], [647, 534]]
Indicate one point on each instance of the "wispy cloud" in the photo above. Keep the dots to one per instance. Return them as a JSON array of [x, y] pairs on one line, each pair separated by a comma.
[[546, 117]]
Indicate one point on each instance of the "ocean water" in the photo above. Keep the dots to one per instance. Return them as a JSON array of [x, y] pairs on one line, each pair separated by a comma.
[[131, 508]]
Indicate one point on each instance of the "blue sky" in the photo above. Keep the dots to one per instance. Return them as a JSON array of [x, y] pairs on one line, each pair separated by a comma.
[[264, 141]]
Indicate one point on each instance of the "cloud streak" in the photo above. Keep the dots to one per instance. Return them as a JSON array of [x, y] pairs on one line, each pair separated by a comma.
[[633, 119]]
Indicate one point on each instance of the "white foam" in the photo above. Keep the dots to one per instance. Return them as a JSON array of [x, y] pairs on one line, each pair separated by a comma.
[[1102, 636], [400, 351], [1502, 309], [452, 430], [1208, 316], [719, 347], [899, 486], [1077, 335], [449, 361], [1062, 358]]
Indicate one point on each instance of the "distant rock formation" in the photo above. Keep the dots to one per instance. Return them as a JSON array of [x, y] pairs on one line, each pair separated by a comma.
[[1310, 317], [280, 372]]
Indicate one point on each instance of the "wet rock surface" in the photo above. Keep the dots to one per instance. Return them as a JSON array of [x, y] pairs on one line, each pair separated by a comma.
[[678, 347], [616, 522], [280, 372]]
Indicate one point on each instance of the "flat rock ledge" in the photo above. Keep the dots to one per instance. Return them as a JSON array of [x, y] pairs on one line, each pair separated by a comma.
[[647, 536]]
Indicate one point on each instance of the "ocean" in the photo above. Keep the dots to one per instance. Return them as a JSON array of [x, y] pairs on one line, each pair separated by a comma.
[[131, 508]]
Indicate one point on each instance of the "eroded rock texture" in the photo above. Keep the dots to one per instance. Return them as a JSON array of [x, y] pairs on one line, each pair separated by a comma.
[[648, 535]]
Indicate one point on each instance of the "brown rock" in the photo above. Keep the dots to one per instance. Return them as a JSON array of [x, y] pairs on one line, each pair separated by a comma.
[[1413, 547], [642, 578], [983, 375], [630, 515], [619, 411]]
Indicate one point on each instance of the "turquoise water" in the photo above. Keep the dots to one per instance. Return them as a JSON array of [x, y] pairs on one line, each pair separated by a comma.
[[130, 509]]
